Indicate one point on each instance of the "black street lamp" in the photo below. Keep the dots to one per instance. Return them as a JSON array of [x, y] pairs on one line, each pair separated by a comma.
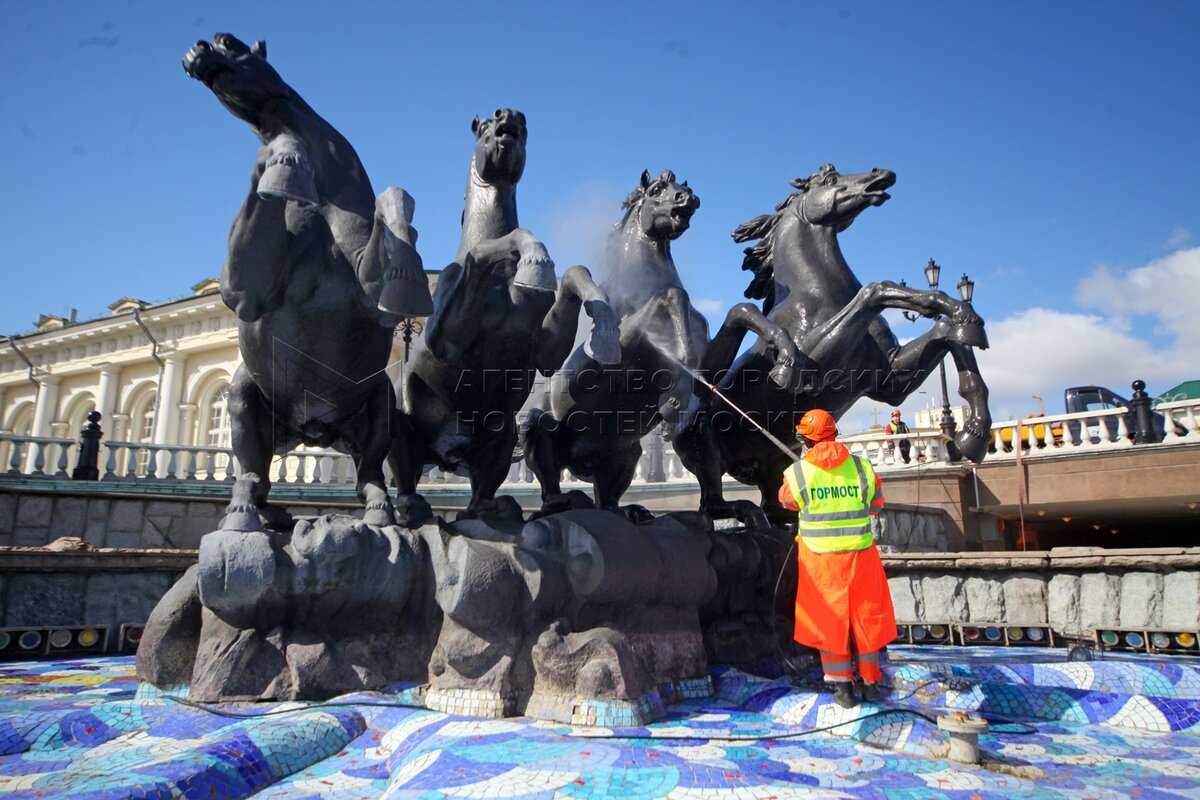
[[407, 328], [966, 289]]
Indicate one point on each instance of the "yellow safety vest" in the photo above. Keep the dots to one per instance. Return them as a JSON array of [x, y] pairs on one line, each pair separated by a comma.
[[835, 504]]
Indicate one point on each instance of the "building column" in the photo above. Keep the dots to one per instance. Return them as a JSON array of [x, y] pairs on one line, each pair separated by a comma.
[[166, 419], [44, 411], [106, 396], [187, 418], [46, 407], [120, 427]]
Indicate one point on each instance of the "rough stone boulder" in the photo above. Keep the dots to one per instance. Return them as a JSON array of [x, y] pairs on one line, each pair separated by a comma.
[[332, 606]]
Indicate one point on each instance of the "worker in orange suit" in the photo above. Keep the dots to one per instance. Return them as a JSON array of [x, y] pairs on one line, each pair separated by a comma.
[[843, 605]]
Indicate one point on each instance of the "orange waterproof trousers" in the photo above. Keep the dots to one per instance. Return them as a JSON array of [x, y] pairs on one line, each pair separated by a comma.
[[840, 593]]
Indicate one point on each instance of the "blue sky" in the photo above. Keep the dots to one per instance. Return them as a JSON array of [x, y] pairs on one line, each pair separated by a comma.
[[1049, 150]]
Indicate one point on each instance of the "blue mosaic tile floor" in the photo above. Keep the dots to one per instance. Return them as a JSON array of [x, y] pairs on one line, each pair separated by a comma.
[[1105, 729]]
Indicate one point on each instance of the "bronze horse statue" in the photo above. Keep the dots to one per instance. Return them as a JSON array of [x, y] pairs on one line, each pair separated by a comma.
[[849, 351], [499, 316], [312, 256], [599, 414]]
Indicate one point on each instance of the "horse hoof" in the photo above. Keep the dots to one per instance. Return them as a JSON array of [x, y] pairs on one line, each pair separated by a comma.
[[289, 173], [970, 333], [536, 272], [782, 375], [603, 346], [241, 518], [972, 444], [669, 410], [413, 511], [379, 515]]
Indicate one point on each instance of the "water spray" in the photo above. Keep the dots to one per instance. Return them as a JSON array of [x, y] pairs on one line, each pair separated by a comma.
[[712, 388]]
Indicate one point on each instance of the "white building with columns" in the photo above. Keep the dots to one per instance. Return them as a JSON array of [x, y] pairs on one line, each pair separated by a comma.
[[157, 373]]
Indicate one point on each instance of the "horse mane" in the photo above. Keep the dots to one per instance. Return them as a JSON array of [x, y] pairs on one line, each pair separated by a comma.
[[759, 258]]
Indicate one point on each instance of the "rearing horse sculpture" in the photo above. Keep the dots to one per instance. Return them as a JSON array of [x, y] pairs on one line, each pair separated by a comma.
[[312, 255], [497, 318], [849, 350], [599, 414]]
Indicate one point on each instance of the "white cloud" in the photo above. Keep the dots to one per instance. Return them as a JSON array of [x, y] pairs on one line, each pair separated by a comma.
[[1178, 238], [709, 306], [1044, 351], [1167, 289]]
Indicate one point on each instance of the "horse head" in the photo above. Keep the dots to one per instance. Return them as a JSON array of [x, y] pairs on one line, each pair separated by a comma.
[[239, 76], [830, 199], [661, 208], [500, 146]]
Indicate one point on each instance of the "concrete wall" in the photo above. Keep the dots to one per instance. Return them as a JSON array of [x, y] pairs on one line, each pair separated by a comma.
[[1073, 589], [41, 588], [33, 519]]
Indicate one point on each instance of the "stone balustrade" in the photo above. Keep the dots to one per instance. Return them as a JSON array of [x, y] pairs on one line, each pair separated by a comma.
[[1057, 435], [142, 462]]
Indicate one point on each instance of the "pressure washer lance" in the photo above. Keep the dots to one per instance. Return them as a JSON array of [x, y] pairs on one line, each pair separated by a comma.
[[783, 447]]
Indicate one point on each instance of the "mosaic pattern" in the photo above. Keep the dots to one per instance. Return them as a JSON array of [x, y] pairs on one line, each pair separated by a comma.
[[79, 731], [1160, 694]]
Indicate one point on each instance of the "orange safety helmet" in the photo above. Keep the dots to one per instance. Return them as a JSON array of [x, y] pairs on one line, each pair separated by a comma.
[[817, 425]]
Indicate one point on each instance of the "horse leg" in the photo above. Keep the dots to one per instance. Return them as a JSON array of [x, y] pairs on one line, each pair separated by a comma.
[[253, 430], [390, 262], [490, 468], [697, 447], [406, 463], [828, 343], [686, 349], [373, 439], [909, 364], [540, 455], [723, 349], [557, 338], [255, 273], [614, 474], [976, 433]]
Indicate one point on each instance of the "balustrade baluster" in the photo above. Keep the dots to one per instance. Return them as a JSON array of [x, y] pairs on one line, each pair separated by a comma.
[[172, 464], [14, 463], [317, 462], [281, 475], [39, 457], [1193, 427], [1170, 435], [210, 467], [63, 452], [152, 463], [110, 465], [1123, 439]]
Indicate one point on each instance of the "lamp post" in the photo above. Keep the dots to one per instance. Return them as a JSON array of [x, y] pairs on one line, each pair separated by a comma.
[[966, 290], [407, 328]]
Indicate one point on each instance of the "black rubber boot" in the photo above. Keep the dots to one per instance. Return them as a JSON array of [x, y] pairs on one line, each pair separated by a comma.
[[870, 692], [843, 694]]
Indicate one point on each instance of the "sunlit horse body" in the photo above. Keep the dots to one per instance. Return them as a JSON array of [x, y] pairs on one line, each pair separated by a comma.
[[849, 351], [311, 253], [499, 316], [598, 414]]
